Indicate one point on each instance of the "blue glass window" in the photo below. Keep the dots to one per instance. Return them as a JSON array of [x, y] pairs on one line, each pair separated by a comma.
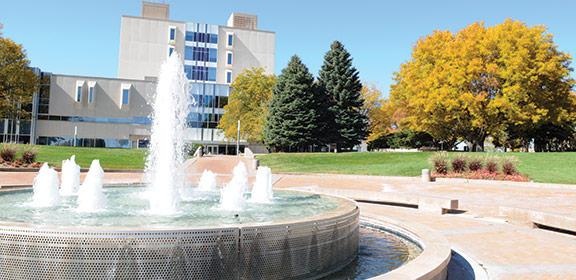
[[91, 95], [79, 94], [125, 96], [212, 74], [229, 60], [190, 36], [213, 55], [170, 51], [188, 53], [188, 71], [228, 77], [230, 37], [172, 33], [214, 38]]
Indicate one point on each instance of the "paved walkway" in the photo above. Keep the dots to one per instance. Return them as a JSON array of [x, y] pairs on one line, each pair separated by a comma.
[[504, 251], [478, 232]]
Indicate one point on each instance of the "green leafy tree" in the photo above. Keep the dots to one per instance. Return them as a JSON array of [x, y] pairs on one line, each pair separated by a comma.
[[248, 102], [292, 121], [339, 81], [17, 81]]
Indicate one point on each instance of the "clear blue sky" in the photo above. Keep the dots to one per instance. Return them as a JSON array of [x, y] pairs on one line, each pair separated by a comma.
[[82, 37]]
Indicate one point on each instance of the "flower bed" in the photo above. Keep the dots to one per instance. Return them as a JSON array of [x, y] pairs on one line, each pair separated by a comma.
[[484, 174], [19, 163]]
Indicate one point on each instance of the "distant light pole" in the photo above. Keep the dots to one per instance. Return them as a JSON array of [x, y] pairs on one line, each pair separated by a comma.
[[238, 140], [75, 134]]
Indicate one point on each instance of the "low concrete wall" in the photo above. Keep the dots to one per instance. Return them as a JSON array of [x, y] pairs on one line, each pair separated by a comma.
[[432, 264], [431, 204], [529, 217]]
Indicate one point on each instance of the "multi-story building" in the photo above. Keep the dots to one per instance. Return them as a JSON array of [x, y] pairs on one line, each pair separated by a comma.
[[114, 112]]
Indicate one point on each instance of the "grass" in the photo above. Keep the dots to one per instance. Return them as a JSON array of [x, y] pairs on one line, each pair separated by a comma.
[[541, 167], [109, 158]]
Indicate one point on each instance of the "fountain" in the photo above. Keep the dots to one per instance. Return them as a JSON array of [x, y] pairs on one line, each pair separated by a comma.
[[90, 196], [170, 112], [298, 236], [232, 198], [70, 177], [262, 190], [207, 181], [46, 187]]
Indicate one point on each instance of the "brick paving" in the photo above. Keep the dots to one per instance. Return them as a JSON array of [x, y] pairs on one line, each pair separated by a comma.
[[505, 251]]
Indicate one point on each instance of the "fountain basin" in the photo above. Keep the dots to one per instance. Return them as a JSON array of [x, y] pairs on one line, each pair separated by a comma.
[[302, 248]]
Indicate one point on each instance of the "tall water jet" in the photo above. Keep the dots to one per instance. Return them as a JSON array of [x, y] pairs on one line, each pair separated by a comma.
[[46, 187], [207, 181], [170, 113], [70, 177], [262, 190], [232, 197], [91, 197]]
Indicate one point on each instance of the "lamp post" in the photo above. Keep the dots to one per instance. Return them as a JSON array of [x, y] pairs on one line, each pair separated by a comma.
[[238, 140], [75, 134]]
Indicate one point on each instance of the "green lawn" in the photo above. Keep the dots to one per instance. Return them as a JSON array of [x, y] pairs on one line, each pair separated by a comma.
[[109, 158], [541, 167]]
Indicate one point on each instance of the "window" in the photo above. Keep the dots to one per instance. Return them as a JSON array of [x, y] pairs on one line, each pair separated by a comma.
[[230, 38], [229, 58], [170, 51], [212, 74], [188, 53], [228, 77], [213, 55], [79, 94], [214, 38], [125, 96], [172, 33], [91, 95]]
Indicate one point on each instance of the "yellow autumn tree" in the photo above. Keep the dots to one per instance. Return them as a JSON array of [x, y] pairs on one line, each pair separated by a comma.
[[380, 112], [251, 92], [481, 81]]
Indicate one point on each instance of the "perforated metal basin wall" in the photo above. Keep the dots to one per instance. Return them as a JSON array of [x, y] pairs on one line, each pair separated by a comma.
[[303, 249]]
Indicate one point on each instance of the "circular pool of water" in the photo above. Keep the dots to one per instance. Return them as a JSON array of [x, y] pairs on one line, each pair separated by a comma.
[[127, 207], [379, 252]]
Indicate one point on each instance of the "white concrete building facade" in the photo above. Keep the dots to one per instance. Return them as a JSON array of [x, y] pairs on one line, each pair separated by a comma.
[[114, 112]]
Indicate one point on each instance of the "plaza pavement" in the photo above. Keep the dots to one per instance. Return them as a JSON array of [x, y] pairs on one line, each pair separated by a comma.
[[495, 248]]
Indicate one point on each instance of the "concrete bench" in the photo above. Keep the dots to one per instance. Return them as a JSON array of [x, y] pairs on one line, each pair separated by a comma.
[[532, 218], [432, 204]]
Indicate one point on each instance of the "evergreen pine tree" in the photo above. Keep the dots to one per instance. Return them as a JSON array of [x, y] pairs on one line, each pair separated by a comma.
[[292, 120], [339, 81]]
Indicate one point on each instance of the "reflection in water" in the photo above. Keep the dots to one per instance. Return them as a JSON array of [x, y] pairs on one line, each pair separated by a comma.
[[379, 252]]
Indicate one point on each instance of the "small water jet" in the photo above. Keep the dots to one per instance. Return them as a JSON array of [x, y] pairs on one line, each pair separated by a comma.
[[46, 187], [170, 113], [70, 177], [207, 181], [262, 190], [91, 197], [232, 197]]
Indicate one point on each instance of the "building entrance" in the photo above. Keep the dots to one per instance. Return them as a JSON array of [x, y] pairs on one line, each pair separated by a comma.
[[212, 149]]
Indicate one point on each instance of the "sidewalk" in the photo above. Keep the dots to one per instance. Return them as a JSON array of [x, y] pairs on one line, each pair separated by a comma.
[[504, 251]]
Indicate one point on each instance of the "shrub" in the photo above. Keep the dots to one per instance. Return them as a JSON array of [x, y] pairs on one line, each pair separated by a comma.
[[475, 164], [459, 163], [29, 154], [190, 148], [440, 161], [509, 164], [8, 151], [492, 164]]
